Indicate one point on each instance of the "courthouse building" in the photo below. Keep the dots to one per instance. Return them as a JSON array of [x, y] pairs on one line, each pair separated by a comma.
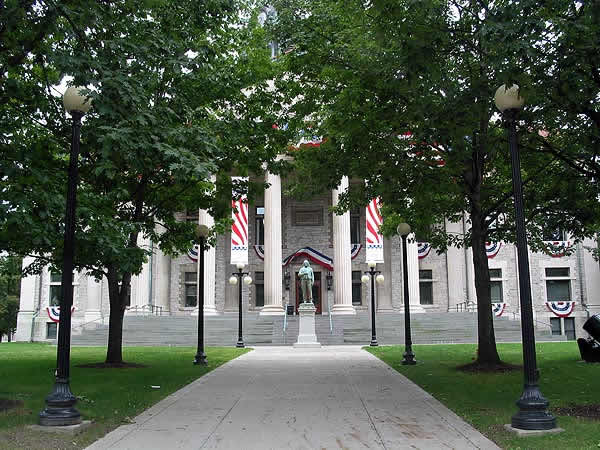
[[281, 232]]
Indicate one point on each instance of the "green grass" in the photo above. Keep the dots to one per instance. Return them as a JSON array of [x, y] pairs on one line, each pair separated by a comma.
[[487, 401], [109, 397]]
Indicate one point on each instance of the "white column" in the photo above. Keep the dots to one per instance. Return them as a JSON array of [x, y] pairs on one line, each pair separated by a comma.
[[384, 292], [94, 300], [210, 308], [26, 313], [455, 262], [469, 269], [273, 256], [342, 258], [413, 275]]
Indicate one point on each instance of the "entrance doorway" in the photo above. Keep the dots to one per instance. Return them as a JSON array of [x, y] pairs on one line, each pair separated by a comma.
[[316, 292]]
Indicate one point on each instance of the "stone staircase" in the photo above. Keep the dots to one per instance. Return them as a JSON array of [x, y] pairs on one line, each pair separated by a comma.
[[430, 328]]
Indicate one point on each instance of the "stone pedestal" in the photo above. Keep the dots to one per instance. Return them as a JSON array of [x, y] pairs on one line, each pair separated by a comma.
[[307, 338]]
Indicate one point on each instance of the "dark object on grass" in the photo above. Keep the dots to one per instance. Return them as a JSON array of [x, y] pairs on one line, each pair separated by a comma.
[[590, 348]]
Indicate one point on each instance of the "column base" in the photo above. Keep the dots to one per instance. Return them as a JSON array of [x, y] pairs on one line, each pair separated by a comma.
[[343, 309], [208, 311], [414, 309], [24, 326], [272, 310]]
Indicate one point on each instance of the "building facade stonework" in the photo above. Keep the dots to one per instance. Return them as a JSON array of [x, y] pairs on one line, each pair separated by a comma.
[[279, 226]]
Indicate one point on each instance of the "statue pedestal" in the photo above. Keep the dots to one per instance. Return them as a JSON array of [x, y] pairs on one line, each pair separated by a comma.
[[307, 337]]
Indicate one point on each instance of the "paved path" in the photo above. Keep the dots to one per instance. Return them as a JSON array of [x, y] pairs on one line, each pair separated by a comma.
[[287, 398]]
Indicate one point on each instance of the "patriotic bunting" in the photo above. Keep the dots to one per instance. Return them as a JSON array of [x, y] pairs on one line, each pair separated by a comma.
[[492, 249], [557, 249], [193, 253], [239, 229], [423, 249], [354, 251], [498, 309], [561, 309], [54, 313], [311, 254], [374, 238]]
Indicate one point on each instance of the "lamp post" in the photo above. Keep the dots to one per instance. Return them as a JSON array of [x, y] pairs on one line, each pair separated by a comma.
[[247, 281], [403, 230], [533, 414], [365, 278], [60, 403], [201, 234]]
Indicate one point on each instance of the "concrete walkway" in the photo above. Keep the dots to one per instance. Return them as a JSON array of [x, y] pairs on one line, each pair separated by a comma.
[[287, 398]]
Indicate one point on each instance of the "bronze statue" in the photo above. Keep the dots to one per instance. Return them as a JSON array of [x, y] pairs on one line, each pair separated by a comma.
[[307, 280]]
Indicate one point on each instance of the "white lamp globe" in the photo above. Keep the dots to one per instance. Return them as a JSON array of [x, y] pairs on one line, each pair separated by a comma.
[[201, 231], [365, 278], [508, 98], [403, 229], [240, 266], [232, 280], [379, 279], [247, 280], [371, 264], [74, 101]]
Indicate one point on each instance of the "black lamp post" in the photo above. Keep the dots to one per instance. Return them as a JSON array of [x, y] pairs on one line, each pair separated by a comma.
[[533, 414], [60, 403], [403, 230], [234, 280], [373, 275], [201, 234]]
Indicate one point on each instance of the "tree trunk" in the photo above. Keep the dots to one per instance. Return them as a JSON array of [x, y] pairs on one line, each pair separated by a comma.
[[114, 352], [487, 354]]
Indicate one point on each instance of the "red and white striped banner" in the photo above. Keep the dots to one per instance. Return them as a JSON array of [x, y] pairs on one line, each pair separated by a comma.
[[239, 229], [374, 250], [498, 309]]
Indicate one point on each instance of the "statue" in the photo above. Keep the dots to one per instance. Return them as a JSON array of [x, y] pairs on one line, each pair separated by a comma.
[[307, 280]]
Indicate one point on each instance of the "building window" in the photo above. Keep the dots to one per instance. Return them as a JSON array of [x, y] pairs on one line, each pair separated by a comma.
[[51, 330], [192, 216], [55, 289], [356, 288], [496, 285], [190, 289], [558, 284], [259, 286], [259, 235], [355, 226], [555, 325], [554, 235], [426, 287], [569, 328]]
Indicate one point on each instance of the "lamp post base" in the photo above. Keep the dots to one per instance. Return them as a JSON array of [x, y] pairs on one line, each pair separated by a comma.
[[60, 410], [200, 359], [374, 343], [240, 344], [409, 358], [533, 414]]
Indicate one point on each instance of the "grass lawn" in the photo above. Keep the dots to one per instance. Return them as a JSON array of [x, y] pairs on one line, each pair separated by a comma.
[[487, 401], [109, 397]]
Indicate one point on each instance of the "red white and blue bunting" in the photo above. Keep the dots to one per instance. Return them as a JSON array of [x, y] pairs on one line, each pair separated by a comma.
[[374, 238], [557, 249], [561, 309], [492, 249], [311, 254], [193, 253], [423, 249], [355, 250], [54, 313], [239, 229], [498, 309]]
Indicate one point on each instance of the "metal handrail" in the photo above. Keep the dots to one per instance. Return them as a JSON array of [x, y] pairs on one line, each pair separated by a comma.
[[153, 309], [515, 314], [467, 305]]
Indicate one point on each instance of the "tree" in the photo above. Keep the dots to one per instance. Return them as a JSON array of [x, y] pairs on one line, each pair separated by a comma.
[[9, 307], [179, 93], [403, 93]]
